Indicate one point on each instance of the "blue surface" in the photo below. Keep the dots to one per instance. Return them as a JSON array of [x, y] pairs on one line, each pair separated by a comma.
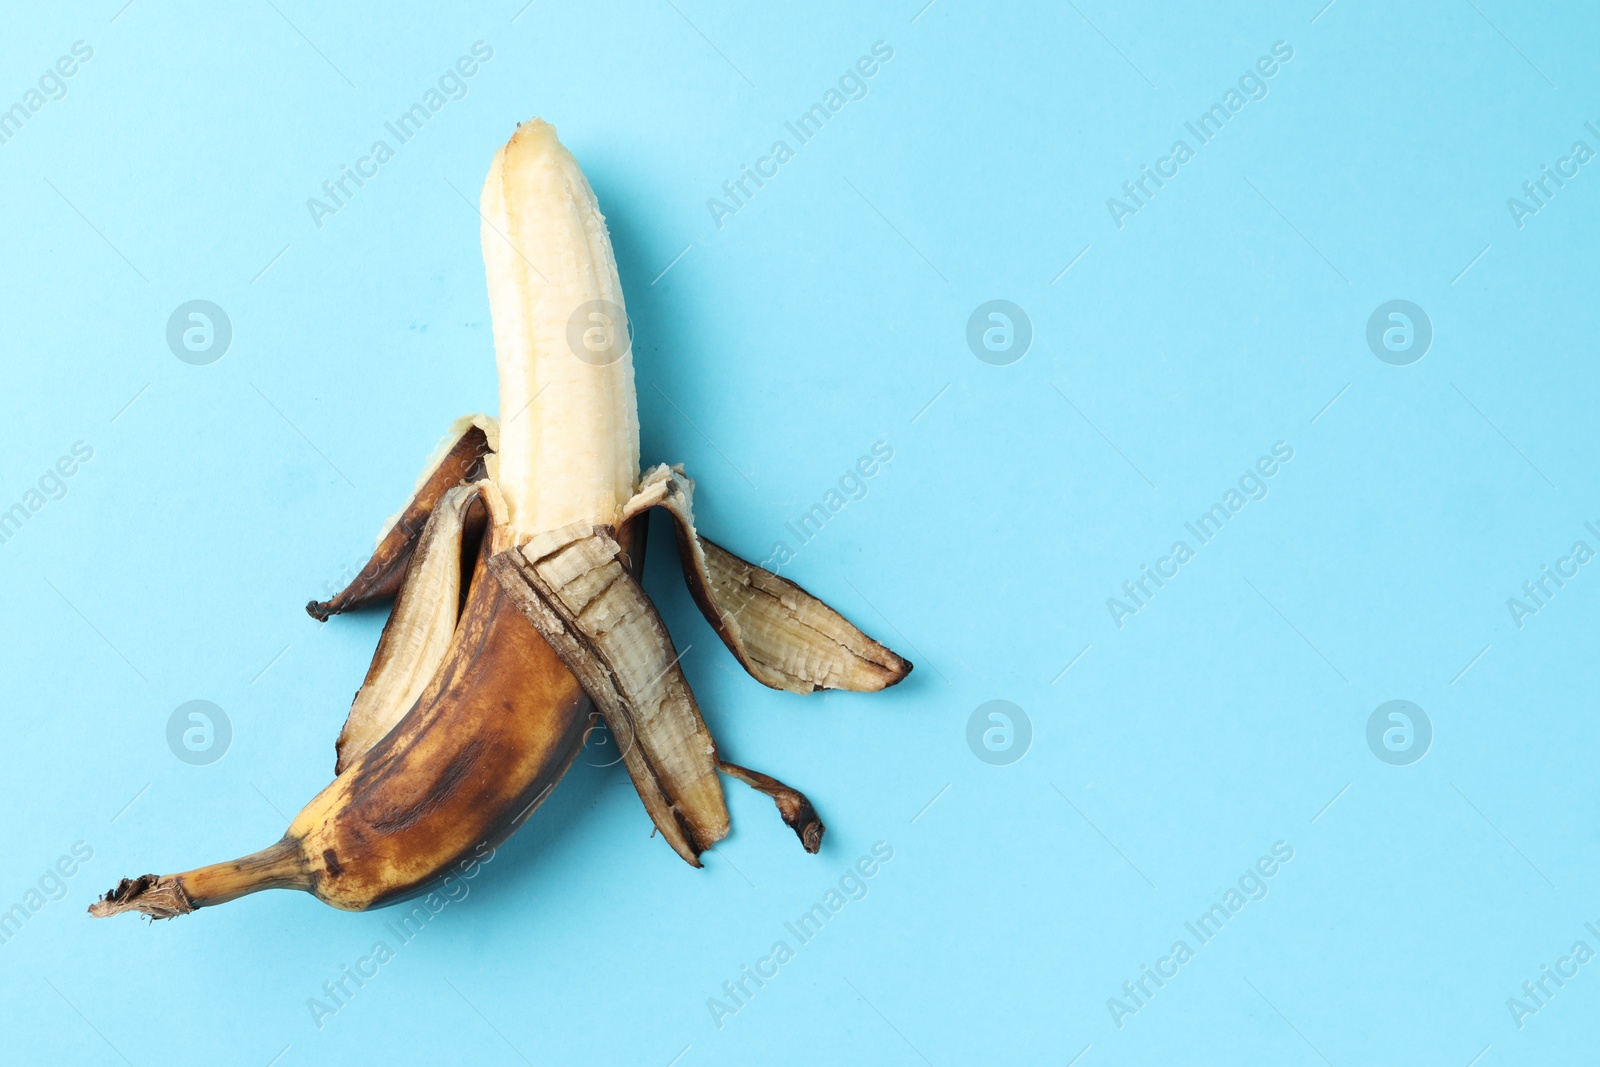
[[1225, 718]]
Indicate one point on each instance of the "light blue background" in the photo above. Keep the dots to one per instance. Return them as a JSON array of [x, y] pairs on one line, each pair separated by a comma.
[[824, 316]]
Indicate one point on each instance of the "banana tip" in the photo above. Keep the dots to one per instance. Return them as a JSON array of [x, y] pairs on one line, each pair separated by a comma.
[[152, 895]]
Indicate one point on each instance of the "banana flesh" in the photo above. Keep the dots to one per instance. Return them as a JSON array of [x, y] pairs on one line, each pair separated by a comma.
[[569, 423]]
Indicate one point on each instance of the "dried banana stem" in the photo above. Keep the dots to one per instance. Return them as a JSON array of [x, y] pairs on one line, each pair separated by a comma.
[[278, 866], [792, 804]]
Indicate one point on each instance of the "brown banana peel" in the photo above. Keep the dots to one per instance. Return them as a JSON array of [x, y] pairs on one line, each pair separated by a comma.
[[459, 459], [782, 635], [497, 726], [518, 610], [421, 625]]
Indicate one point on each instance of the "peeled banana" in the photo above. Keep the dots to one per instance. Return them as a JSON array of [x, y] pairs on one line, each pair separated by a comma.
[[519, 615]]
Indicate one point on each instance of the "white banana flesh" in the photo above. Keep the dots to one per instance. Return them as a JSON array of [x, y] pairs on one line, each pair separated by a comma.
[[569, 423]]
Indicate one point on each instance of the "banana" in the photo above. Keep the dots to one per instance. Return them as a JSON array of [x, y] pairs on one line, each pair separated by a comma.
[[519, 612]]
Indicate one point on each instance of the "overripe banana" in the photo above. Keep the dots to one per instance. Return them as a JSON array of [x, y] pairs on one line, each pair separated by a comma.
[[515, 569]]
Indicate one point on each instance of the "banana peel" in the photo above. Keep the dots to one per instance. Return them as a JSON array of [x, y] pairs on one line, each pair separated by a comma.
[[519, 616], [459, 459], [499, 723], [782, 635]]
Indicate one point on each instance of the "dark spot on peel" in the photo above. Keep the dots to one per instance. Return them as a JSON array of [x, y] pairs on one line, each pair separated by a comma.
[[330, 859], [402, 817]]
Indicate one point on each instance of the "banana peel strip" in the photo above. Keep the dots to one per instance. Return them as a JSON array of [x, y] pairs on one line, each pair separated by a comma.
[[570, 583], [465, 455], [783, 636], [573, 587], [419, 630]]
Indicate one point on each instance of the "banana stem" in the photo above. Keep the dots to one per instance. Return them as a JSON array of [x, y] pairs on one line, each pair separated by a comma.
[[793, 806], [278, 866]]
